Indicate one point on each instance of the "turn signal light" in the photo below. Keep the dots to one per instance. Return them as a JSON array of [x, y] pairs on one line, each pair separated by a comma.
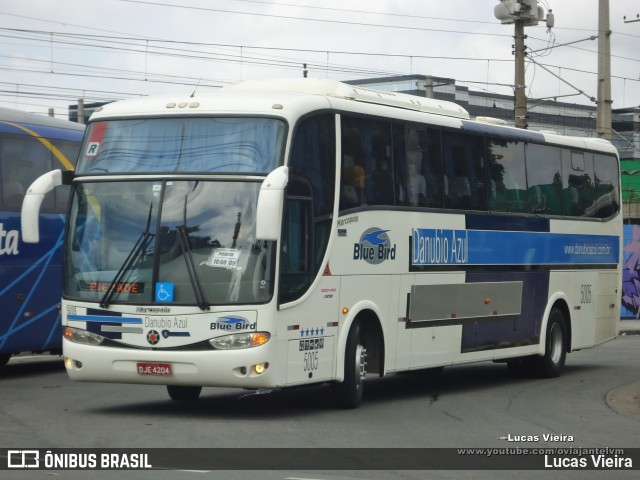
[[259, 338]]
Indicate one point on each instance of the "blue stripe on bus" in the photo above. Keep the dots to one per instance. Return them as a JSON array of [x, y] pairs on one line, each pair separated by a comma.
[[103, 319], [435, 247]]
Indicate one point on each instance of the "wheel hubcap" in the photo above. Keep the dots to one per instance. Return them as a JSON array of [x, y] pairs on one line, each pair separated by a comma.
[[556, 343], [361, 364]]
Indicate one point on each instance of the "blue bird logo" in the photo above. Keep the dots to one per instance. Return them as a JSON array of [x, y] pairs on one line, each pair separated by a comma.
[[232, 320], [373, 238]]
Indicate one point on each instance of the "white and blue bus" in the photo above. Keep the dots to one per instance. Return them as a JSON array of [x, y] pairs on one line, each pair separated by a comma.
[[30, 275], [292, 232]]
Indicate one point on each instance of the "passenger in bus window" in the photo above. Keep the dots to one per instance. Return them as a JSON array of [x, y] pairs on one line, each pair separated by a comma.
[[353, 183], [537, 200], [462, 186], [416, 183]]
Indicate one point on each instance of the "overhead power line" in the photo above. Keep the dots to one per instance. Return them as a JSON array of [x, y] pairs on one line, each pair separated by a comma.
[[309, 19]]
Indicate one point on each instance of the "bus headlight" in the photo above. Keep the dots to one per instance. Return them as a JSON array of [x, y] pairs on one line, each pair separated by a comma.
[[85, 337], [240, 340]]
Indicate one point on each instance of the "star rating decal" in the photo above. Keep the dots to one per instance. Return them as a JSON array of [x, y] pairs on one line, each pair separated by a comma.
[[311, 332]]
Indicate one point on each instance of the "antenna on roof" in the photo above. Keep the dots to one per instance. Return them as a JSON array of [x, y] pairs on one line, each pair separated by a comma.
[[193, 94]]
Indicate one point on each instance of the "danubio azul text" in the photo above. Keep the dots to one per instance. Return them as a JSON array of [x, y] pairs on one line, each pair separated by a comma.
[[439, 247]]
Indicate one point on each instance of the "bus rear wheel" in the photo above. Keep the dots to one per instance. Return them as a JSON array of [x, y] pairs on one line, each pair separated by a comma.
[[181, 393], [550, 365], [348, 394]]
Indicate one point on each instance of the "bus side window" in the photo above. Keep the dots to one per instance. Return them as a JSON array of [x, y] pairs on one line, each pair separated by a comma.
[[417, 166], [296, 264], [544, 183], [41, 161], [577, 183], [607, 193], [367, 167], [308, 205], [416, 181], [353, 174], [399, 165], [12, 188], [507, 177], [381, 192], [13, 184], [464, 171], [22, 160]]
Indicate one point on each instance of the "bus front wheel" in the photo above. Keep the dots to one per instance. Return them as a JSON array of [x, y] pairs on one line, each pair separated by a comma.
[[348, 394], [181, 393], [550, 365]]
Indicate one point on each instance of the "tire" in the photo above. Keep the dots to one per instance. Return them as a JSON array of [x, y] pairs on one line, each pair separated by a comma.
[[348, 394], [550, 365], [180, 393]]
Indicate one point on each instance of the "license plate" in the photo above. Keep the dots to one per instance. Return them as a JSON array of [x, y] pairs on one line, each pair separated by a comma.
[[163, 369]]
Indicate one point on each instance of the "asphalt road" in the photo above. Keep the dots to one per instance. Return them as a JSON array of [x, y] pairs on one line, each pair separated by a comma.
[[468, 406]]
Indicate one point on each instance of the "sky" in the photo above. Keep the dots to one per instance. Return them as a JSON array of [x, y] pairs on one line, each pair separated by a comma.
[[53, 52]]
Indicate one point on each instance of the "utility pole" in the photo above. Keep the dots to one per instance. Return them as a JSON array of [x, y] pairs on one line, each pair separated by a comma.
[[80, 111], [521, 110], [603, 121], [522, 13], [429, 87]]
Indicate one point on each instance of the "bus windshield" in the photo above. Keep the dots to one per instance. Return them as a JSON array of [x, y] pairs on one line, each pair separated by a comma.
[[195, 144], [180, 242]]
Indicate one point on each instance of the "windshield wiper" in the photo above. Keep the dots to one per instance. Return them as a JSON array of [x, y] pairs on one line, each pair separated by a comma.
[[140, 246], [183, 236]]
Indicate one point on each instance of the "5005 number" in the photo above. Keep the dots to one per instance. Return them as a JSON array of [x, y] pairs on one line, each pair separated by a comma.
[[310, 361]]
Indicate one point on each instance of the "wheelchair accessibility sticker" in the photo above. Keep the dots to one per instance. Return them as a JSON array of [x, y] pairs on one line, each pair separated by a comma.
[[164, 292]]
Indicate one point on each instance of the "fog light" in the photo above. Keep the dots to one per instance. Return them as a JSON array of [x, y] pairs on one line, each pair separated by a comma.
[[68, 363], [260, 368]]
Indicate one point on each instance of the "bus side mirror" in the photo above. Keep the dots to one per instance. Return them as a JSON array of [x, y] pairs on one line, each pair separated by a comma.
[[33, 200], [270, 204]]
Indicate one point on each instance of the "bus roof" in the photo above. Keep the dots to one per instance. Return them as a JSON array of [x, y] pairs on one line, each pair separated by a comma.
[[286, 97], [17, 122], [333, 88], [19, 116], [261, 94]]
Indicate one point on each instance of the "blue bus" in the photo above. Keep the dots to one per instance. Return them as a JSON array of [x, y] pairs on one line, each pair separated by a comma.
[[30, 274]]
